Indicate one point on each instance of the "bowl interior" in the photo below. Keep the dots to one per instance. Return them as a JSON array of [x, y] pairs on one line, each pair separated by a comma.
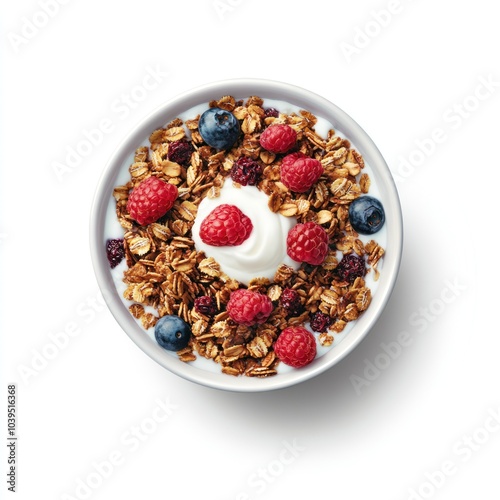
[[242, 89]]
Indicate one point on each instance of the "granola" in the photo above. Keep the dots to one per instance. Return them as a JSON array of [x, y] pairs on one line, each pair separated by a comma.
[[166, 271]]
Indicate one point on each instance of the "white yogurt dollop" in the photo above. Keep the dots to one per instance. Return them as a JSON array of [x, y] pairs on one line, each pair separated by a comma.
[[260, 255]]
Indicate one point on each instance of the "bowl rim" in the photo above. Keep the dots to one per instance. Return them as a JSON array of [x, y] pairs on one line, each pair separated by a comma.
[[243, 88]]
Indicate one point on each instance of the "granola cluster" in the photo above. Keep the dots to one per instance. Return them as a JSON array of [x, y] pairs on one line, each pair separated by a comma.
[[166, 271]]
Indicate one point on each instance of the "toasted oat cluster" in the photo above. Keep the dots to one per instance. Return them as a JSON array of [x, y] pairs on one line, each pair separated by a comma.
[[166, 271]]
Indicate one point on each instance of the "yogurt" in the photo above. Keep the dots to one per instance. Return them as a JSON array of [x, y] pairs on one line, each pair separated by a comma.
[[260, 255]]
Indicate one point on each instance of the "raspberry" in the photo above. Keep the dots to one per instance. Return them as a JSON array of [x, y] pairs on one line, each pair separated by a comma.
[[249, 308], [246, 171], [295, 346], [300, 172], [320, 322], [271, 112], [180, 152], [225, 225], [150, 200], [307, 242], [290, 301], [115, 252], [205, 305], [351, 267], [278, 138]]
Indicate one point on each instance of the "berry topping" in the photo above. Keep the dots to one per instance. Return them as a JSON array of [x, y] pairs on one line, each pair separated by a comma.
[[366, 215], [271, 112], [225, 225], [150, 200], [246, 171], [295, 346], [219, 128], [351, 267], [205, 305], [307, 242], [300, 172], [115, 252], [320, 322], [172, 333], [290, 301], [249, 308], [278, 138], [180, 152]]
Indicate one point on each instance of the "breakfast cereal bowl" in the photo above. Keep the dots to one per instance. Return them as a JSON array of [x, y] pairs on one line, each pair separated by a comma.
[[210, 304]]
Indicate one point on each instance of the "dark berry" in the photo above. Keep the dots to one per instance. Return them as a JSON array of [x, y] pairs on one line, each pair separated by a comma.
[[172, 333], [115, 252], [320, 322], [366, 215], [180, 152], [290, 301], [219, 128], [271, 112], [205, 305], [351, 267], [246, 171]]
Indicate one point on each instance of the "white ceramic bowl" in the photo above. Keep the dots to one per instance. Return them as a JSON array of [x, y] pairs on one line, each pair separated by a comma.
[[241, 89]]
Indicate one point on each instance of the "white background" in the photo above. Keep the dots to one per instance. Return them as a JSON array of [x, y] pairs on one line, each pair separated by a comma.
[[430, 409]]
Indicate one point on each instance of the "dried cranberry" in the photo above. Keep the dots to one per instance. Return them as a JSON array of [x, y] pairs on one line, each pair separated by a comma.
[[351, 267], [271, 112], [180, 152], [290, 301], [205, 305], [246, 171], [320, 322], [115, 251]]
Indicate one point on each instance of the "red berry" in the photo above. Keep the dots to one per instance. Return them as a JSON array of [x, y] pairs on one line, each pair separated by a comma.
[[351, 266], [225, 225], [290, 301], [205, 305], [150, 200], [320, 322], [115, 252], [300, 172], [246, 171], [180, 152], [307, 242], [295, 346], [249, 308], [278, 138]]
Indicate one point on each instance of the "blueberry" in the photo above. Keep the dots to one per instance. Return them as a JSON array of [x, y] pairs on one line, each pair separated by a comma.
[[172, 333], [219, 128], [366, 214]]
